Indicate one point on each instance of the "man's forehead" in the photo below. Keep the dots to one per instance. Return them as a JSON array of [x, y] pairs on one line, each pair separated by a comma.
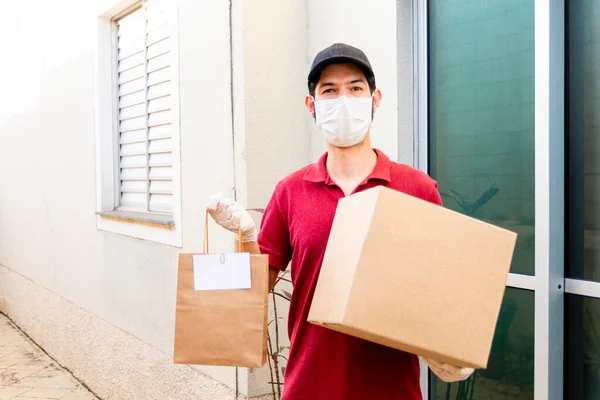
[[342, 72]]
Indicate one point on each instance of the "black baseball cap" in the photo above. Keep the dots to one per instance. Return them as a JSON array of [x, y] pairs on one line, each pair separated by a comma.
[[339, 53]]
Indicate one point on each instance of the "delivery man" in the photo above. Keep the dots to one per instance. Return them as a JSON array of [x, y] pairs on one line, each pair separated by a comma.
[[324, 364]]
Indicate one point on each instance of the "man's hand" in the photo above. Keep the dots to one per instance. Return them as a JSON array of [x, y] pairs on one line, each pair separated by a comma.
[[231, 215], [447, 372]]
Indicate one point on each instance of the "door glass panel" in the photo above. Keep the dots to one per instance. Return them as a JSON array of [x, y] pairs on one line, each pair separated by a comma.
[[582, 358], [481, 113], [583, 139], [509, 375]]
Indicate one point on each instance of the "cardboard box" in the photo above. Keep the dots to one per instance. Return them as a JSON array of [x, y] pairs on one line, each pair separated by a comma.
[[414, 276]]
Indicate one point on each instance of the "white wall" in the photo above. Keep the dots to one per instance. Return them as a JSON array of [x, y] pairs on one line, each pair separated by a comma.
[[47, 153], [48, 228], [405, 85], [269, 59]]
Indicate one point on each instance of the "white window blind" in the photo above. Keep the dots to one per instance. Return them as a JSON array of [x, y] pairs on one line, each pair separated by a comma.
[[144, 107]]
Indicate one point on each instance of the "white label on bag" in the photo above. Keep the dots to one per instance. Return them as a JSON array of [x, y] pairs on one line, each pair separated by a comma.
[[222, 271]]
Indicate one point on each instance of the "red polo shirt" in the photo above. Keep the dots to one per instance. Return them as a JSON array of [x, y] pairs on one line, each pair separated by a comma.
[[324, 364]]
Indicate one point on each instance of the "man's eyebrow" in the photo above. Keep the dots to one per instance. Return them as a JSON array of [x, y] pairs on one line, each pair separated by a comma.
[[360, 80], [328, 84]]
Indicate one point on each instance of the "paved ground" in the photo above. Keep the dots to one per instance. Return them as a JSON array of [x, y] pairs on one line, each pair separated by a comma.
[[27, 373]]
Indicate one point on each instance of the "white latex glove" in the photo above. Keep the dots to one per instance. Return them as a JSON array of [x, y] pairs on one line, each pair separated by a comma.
[[447, 372], [229, 214]]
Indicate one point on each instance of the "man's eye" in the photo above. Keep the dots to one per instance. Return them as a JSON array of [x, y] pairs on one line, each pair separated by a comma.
[[328, 91], [357, 88]]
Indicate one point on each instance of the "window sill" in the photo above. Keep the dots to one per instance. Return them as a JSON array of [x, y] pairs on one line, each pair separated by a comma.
[[158, 220], [159, 228]]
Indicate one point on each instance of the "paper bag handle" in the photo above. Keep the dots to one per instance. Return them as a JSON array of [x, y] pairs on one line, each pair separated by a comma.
[[205, 247]]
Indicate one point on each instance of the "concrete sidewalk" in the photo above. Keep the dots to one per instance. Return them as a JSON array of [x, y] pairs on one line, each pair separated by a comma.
[[27, 373]]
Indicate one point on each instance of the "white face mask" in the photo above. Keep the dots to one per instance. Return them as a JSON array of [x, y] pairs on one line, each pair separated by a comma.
[[344, 121]]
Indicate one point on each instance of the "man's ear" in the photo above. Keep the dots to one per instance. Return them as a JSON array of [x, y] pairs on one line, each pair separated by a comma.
[[309, 102], [376, 99]]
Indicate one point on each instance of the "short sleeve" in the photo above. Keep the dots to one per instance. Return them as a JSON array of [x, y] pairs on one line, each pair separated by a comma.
[[274, 234], [434, 195]]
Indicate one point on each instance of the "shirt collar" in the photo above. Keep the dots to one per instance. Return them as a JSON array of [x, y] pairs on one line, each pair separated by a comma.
[[317, 172]]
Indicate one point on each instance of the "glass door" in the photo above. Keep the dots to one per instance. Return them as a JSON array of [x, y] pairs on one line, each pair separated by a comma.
[[582, 308], [481, 102], [489, 131]]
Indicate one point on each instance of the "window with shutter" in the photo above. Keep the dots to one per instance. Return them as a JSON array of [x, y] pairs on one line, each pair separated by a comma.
[[138, 174], [144, 72]]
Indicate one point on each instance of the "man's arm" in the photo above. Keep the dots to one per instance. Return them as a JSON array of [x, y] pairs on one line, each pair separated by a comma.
[[252, 248]]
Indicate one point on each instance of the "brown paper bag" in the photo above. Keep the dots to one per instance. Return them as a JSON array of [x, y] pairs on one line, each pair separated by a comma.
[[221, 327]]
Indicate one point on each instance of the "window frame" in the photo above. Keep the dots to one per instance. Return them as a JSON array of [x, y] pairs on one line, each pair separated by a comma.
[[152, 226]]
